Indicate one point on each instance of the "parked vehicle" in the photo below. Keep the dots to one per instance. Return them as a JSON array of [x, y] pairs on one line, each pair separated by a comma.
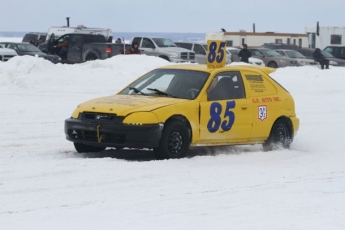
[[59, 31], [37, 37], [273, 59], [302, 60], [175, 107], [164, 48], [332, 60], [28, 49], [7, 54], [279, 46], [336, 51], [84, 47], [235, 58], [200, 50]]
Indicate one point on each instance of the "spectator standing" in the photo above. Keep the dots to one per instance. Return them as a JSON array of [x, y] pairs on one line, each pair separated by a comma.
[[318, 56], [135, 49], [244, 54], [118, 41], [63, 46]]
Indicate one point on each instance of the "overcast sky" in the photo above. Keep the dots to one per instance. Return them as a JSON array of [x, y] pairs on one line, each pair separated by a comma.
[[197, 16]]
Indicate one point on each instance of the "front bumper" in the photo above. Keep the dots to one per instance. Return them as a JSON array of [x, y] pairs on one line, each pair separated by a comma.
[[113, 135]]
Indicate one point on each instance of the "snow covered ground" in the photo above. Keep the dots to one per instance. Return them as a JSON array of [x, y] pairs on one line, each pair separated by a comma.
[[45, 184]]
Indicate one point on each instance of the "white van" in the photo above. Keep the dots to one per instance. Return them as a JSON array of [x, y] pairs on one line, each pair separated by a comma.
[[58, 31]]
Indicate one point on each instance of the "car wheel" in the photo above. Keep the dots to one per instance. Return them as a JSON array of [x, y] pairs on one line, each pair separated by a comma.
[[174, 142], [82, 148], [165, 58], [272, 64], [91, 57], [279, 137]]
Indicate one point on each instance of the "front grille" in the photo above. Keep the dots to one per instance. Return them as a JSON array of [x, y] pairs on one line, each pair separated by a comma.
[[188, 55], [92, 136], [6, 57], [101, 117]]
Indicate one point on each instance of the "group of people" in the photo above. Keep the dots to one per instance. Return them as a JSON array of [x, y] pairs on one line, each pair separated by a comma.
[[133, 50]]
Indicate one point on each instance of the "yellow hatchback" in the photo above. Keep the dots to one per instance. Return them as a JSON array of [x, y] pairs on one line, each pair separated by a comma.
[[175, 107]]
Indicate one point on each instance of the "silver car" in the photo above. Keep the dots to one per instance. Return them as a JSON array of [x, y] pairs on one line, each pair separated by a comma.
[[200, 50], [272, 58], [303, 60]]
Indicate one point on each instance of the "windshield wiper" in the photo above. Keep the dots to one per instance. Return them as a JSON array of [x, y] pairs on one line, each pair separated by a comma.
[[136, 90], [161, 92]]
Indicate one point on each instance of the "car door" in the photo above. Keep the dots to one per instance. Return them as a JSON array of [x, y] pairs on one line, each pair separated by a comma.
[[148, 47], [75, 47], [226, 116], [200, 54]]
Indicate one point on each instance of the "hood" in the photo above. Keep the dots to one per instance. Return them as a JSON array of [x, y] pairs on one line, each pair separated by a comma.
[[122, 105], [6, 51], [175, 49]]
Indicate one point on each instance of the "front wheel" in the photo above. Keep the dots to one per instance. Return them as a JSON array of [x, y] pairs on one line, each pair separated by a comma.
[[175, 141], [280, 136], [82, 148], [272, 64]]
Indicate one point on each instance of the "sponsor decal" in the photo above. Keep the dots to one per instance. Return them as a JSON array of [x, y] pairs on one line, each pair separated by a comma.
[[262, 112]]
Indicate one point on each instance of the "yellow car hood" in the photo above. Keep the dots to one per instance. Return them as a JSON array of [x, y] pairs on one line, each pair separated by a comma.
[[123, 105]]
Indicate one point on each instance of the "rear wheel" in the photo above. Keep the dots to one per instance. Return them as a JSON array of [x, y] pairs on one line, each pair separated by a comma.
[[280, 136], [82, 148], [175, 141], [91, 57], [272, 64]]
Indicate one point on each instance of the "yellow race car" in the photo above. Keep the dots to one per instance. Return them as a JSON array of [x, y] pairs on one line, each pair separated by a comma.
[[175, 107]]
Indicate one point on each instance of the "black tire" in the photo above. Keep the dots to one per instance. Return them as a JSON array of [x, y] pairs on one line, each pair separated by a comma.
[[91, 57], [175, 141], [82, 148], [165, 58], [272, 64], [280, 136]]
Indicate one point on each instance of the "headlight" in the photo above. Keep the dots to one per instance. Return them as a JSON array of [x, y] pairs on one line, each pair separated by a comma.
[[333, 63], [303, 63], [293, 62], [173, 54], [140, 118]]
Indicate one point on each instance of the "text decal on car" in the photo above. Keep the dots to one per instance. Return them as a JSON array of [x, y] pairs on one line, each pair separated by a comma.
[[216, 53], [216, 121]]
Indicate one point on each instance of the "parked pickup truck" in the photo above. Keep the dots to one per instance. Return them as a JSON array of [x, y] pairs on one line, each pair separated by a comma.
[[83, 47], [164, 48]]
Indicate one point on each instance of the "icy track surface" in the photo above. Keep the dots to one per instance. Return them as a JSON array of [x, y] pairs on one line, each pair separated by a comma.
[[45, 184]]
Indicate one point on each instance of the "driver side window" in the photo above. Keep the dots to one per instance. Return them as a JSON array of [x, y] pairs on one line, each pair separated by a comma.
[[147, 43], [225, 86]]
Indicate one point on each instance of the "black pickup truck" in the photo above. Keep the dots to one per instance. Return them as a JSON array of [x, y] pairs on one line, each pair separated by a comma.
[[83, 47]]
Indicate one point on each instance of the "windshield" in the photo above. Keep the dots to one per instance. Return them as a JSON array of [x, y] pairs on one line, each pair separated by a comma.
[[28, 48], [294, 54], [326, 54], [184, 84], [163, 42], [271, 53], [233, 51]]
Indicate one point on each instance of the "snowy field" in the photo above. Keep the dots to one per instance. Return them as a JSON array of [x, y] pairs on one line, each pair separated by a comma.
[[45, 184]]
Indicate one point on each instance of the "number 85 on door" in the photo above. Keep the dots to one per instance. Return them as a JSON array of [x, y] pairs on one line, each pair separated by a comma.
[[216, 53]]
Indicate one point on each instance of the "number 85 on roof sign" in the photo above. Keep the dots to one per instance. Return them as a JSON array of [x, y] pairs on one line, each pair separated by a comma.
[[216, 53]]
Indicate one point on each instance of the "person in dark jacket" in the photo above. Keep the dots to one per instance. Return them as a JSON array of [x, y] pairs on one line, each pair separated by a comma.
[[244, 54], [318, 56], [135, 49]]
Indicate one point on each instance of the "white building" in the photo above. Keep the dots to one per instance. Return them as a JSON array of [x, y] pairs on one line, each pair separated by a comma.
[[237, 39], [328, 35]]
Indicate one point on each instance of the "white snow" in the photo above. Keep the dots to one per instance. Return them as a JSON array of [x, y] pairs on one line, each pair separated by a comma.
[[45, 184]]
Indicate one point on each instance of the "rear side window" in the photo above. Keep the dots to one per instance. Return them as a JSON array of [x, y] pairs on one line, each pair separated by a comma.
[[137, 40], [184, 45], [29, 37]]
